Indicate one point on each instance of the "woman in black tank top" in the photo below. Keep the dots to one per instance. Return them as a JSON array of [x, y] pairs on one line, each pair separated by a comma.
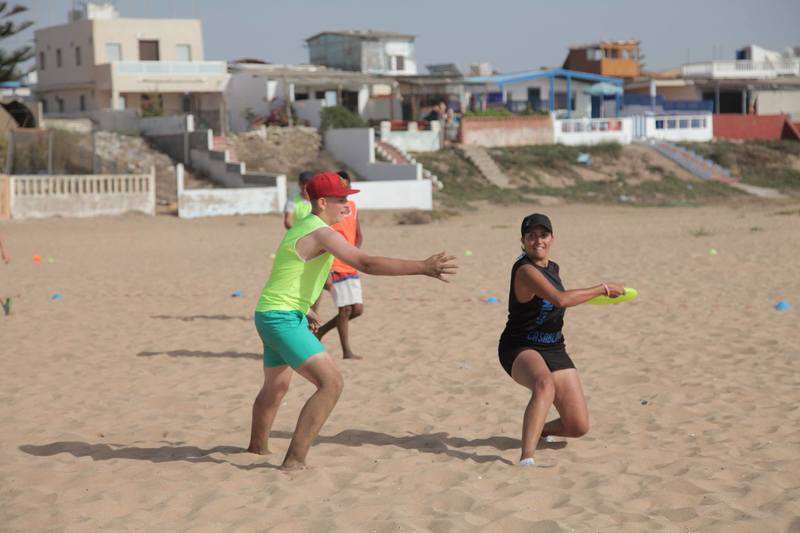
[[532, 348]]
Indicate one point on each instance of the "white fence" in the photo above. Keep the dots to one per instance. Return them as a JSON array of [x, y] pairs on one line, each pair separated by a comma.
[[406, 194], [413, 139], [742, 69], [355, 147], [679, 128], [194, 203], [80, 196], [582, 131], [185, 68]]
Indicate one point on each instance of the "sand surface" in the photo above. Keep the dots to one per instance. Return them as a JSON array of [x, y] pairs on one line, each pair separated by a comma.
[[126, 405]]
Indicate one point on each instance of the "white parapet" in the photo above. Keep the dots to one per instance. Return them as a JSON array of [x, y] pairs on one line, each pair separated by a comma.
[[583, 131], [405, 194], [196, 203], [680, 128], [82, 196]]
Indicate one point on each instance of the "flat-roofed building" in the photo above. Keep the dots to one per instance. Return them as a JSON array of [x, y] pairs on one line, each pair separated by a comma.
[[101, 61]]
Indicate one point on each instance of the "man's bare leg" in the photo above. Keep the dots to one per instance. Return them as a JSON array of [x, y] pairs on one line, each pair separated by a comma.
[[322, 372], [346, 314], [276, 383]]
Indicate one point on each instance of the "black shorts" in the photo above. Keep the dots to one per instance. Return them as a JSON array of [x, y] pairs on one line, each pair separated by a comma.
[[556, 358]]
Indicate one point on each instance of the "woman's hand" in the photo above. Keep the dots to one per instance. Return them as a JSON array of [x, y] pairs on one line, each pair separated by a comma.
[[436, 266], [615, 289]]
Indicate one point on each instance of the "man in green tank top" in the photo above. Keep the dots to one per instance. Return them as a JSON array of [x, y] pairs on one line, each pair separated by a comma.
[[299, 207], [301, 266]]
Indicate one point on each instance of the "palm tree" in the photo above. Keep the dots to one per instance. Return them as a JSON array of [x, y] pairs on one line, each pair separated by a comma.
[[9, 61]]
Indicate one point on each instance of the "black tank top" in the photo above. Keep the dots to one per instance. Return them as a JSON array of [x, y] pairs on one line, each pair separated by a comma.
[[536, 323]]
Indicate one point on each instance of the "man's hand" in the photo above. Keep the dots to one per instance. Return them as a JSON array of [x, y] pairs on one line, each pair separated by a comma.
[[313, 320], [439, 265]]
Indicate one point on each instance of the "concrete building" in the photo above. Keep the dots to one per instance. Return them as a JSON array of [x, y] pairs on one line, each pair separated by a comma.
[[256, 88], [371, 52], [101, 61], [619, 59], [564, 92], [760, 82]]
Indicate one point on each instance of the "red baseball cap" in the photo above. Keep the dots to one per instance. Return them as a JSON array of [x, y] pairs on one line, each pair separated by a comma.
[[328, 184]]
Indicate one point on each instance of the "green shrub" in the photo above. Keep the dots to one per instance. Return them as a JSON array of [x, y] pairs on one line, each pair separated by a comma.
[[337, 117]]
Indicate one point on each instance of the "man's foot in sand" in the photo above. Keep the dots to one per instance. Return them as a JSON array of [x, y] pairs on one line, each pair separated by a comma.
[[258, 449], [290, 465], [351, 355]]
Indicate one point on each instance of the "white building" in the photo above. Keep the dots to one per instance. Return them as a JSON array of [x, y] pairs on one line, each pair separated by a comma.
[[255, 89], [371, 52], [100, 61]]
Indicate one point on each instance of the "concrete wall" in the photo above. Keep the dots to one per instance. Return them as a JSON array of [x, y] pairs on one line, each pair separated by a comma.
[[747, 127], [217, 167], [582, 131], [130, 122], [355, 147], [778, 102], [413, 139], [507, 131], [196, 203], [309, 110], [380, 108], [680, 128], [81, 196], [417, 194]]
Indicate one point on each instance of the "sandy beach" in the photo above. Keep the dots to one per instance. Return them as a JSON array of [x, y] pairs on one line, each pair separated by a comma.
[[126, 404]]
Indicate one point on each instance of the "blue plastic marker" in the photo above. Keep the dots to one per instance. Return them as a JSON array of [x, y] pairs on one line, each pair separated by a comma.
[[56, 297], [783, 305], [236, 294]]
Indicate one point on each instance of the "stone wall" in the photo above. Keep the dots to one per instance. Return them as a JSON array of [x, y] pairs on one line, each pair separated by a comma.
[[507, 131]]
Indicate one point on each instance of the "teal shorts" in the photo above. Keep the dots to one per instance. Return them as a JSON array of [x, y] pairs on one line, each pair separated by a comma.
[[286, 338]]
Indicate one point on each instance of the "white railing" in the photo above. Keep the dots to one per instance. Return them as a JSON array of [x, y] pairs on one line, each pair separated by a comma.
[[180, 68], [81, 196], [577, 131], [742, 69], [677, 128]]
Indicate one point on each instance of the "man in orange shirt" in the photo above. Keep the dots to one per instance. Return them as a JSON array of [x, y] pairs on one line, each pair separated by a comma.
[[345, 283]]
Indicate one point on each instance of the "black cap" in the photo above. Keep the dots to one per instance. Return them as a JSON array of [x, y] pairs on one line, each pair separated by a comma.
[[306, 176], [344, 175], [536, 219]]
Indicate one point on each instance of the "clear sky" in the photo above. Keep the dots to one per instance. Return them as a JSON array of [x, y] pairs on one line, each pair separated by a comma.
[[511, 34]]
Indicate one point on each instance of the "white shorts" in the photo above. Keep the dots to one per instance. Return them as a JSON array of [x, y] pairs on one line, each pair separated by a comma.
[[347, 292]]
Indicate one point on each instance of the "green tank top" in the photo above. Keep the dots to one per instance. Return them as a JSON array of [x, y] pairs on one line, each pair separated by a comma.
[[302, 208], [294, 284]]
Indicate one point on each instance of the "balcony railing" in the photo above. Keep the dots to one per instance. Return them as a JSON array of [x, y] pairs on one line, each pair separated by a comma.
[[742, 69], [172, 68]]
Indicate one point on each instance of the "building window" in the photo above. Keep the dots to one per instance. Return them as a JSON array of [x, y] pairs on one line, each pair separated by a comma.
[[77, 56], [183, 52], [60, 104], [148, 51], [399, 63], [41, 60], [44, 106], [113, 52], [58, 57], [83, 102]]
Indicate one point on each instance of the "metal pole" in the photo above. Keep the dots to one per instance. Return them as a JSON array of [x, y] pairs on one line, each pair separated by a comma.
[[569, 96], [50, 152], [552, 95], [10, 153]]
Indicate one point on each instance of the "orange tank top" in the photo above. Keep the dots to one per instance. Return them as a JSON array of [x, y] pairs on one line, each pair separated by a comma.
[[348, 228]]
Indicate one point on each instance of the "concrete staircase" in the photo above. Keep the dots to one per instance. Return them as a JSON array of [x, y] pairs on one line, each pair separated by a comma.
[[221, 144], [397, 156], [694, 163], [706, 169], [486, 165]]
